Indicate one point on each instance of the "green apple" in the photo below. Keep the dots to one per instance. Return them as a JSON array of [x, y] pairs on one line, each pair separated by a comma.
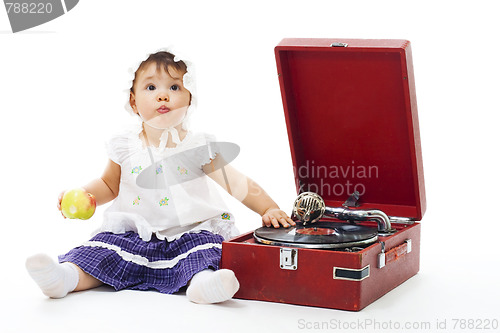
[[78, 204]]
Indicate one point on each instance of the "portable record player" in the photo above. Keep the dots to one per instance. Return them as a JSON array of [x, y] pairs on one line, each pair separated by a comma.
[[351, 115]]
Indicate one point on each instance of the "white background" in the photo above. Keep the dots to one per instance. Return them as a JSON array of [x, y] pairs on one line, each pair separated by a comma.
[[61, 97]]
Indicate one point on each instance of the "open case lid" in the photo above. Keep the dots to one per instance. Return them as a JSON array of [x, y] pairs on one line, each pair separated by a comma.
[[351, 116]]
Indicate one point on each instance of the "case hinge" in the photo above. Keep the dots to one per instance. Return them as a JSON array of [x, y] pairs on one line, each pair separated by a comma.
[[288, 258], [338, 44]]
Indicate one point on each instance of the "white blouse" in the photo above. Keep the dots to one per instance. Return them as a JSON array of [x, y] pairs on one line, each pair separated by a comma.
[[168, 196]]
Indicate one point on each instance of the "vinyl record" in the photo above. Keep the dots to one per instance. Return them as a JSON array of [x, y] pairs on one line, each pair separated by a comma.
[[319, 235]]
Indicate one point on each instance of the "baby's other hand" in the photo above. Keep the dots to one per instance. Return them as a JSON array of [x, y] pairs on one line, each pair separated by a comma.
[[274, 217]]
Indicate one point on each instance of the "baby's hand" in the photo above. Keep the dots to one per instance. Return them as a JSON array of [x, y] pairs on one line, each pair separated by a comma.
[[275, 217]]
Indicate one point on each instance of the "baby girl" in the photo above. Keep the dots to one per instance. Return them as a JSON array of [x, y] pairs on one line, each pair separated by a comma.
[[167, 234]]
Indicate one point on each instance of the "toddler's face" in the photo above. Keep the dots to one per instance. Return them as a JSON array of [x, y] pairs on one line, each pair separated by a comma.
[[160, 97]]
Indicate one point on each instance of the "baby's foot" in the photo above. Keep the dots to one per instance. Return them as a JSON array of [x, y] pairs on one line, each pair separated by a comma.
[[212, 286], [55, 280]]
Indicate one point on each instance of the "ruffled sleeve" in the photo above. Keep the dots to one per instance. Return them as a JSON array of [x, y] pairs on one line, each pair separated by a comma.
[[120, 147], [210, 151], [206, 149]]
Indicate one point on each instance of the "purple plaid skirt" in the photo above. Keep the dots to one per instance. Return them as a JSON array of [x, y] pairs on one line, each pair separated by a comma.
[[125, 261]]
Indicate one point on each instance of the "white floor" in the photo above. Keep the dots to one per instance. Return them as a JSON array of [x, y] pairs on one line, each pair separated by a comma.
[[453, 289], [421, 302]]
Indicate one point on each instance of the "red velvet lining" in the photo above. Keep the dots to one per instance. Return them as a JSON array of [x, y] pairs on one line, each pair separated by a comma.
[[350, 124]]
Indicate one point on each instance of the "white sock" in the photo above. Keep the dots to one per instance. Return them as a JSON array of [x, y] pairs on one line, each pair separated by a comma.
[[55, 280], [212, 286]]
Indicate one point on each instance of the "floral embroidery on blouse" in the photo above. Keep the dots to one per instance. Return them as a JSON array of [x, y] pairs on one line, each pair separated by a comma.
[[159, 169], [225, 216], [137, 169], [164, 202], [182, 170], [136, 201]]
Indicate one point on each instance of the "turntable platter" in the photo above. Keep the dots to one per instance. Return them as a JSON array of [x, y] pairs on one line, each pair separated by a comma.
[[320, 235]]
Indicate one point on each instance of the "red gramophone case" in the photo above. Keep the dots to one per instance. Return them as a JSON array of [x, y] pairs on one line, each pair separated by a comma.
[[351, 115]]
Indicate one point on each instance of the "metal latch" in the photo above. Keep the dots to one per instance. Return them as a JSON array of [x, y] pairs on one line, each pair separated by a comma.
[[288, 258], [381, 256], [408, 245]]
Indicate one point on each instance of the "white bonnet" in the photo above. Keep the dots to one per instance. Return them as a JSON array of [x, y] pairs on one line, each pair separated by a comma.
[[188, 82]]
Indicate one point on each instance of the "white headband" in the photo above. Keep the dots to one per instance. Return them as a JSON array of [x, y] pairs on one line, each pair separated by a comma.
[[188, 82]]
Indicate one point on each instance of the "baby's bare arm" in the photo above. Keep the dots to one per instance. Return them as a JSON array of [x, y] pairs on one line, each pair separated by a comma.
[[248, 192], [104, 188]]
